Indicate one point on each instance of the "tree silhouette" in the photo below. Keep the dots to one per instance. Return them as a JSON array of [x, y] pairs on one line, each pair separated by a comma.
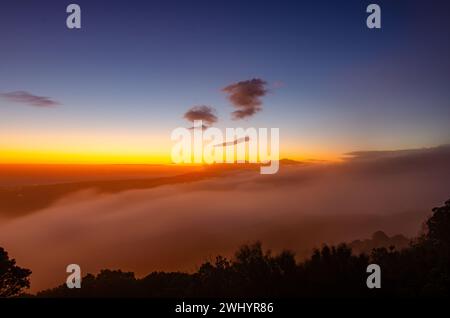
[[438, 226], [334, 271], [422, 269], [13, 279]]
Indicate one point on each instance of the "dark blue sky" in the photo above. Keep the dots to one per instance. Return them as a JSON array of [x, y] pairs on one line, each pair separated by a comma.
[[137, 66]]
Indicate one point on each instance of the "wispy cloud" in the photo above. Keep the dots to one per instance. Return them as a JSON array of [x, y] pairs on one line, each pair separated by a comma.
[[235, 142], [27, 98], [246, 97]]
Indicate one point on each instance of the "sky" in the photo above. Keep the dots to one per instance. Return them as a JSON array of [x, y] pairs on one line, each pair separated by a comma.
[[115, 89]]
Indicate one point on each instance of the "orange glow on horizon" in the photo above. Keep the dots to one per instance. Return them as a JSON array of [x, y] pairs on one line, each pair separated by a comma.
[[55, 157], [20, 156], [63, 148]]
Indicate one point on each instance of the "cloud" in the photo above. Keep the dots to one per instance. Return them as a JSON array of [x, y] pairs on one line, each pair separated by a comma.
[[246, 97], [203, 127], [235, 142], [204, 113], [400, 160], [24, 97], [410, 153]]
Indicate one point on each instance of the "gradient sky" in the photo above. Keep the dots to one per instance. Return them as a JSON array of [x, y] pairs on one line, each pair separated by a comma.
[[127, 77]]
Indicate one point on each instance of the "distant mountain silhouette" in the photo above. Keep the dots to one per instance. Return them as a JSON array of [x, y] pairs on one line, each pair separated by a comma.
[[379, 240], [291, 162]]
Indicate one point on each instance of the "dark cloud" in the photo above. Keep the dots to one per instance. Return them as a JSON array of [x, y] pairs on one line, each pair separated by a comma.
[[204, 113], [24, 97], [383, 154], [235, 142], [203, 127], [246, 97]]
